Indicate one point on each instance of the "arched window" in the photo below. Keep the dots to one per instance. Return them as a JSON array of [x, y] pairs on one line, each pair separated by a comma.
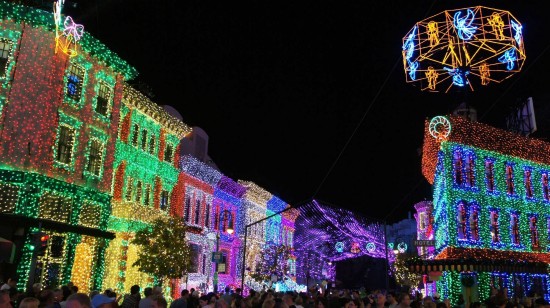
[[510, 179]]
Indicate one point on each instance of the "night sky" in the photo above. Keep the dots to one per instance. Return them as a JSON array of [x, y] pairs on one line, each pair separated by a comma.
[[308, 99]]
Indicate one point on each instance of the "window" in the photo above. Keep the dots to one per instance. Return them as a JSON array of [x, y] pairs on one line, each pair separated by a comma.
[[55, 207], [89, 215], [207, 216], [203, 264], [494, 227], [461, 219], [514, 226], [470, 171], [216, 218], [152, 144], [95, 161], [457, 163], [75, 80], [197, 211], [528, 186], [147, 197], [138, 191], [144, 140], [545, 189], [5, 50], [103, 99], [510, 179], [195, 254], [135, 135], [168, 153], [164, 200], [65, 143], [474, 224], [129, 189], [187, 209], [9, 195], [222, 266], [534, 231], [422, 220], [490, 175]]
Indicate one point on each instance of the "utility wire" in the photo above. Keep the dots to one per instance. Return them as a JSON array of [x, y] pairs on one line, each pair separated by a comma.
[[355, 130], [361, 122], [515, 81]]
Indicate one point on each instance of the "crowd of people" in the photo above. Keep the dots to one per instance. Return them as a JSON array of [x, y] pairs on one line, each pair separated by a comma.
[[68, 296]]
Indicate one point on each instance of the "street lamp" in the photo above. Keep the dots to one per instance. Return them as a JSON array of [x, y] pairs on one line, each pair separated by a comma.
[[224, 215]]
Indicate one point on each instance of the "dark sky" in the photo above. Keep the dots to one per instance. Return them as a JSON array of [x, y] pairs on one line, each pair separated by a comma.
[[307, 98]]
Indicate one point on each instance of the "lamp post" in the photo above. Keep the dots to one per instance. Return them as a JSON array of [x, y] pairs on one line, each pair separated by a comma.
[[224, 215]]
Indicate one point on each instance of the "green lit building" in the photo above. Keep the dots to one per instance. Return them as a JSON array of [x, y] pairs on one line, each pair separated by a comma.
[[59, 116], [147, 183], [491, 211]]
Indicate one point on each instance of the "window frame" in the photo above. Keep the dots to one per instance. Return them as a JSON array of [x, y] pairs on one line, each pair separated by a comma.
[[73, 70], [70, 146], [168, 153], [135, 135], [104, 88], [6, 55], [99, 157]]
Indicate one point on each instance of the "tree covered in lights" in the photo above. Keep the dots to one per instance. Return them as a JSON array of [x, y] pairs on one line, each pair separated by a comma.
[[164, 251], [274, 261], [403, 276]]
